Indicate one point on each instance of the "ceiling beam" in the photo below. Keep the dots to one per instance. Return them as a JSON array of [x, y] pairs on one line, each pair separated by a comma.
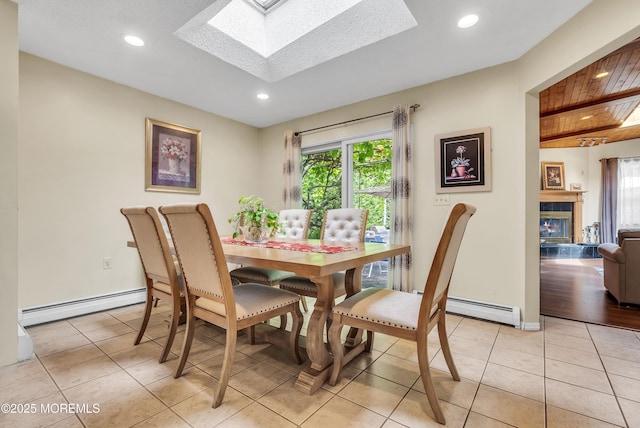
[[582, 132], [622, 97]]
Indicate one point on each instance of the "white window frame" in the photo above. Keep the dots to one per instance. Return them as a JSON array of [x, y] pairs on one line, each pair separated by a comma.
[[346, 145]]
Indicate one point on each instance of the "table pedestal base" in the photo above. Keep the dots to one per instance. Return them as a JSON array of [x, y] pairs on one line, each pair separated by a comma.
[[310, 380]]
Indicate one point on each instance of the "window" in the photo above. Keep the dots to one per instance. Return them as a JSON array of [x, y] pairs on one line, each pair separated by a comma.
[[628, 192], [351, 173]]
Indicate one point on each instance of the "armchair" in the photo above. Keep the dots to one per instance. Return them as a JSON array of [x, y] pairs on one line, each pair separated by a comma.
[[621, 264]]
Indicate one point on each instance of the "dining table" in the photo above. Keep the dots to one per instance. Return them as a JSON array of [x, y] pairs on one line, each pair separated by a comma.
[[316, 260]]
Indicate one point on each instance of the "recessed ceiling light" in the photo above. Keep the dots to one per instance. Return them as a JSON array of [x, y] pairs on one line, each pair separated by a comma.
[[262, 96], [601, 75], [468, 21], [586, 117], [133, 40]]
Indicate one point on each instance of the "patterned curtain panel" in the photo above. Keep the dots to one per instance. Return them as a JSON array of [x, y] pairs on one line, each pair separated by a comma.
[[609, 200], [401, 198], [292, 190]]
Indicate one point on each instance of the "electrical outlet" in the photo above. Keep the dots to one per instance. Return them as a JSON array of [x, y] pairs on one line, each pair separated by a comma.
[[442, 199], [106, 263]]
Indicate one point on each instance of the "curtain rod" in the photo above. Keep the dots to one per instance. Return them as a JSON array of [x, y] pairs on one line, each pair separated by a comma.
[[413, 107], [621, 158]]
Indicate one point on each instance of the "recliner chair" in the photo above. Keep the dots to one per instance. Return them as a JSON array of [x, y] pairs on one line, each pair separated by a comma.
[[621, 264]]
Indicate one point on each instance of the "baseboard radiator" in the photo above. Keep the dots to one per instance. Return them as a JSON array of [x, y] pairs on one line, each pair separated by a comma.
[[486, 311], [74, 308]]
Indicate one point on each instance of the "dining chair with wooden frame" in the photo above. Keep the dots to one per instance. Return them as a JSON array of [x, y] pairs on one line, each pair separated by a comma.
[[210, 295], [341, 225], [295, 225], [162, 278], [406, 315]]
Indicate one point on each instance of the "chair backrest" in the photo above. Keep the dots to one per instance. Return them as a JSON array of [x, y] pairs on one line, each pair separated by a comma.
[[344, 225], [202, 262], [153, 246], [627, 233], [444, 260], [295, 223]]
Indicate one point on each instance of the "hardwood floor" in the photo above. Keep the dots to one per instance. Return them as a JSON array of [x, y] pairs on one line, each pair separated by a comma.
[[573, 289]]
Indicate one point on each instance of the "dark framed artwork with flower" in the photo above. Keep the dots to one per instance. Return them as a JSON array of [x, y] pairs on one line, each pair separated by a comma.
[[172, 158], [463, 161]]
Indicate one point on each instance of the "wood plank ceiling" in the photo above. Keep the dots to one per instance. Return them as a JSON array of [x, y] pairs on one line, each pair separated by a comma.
[[584, 106]]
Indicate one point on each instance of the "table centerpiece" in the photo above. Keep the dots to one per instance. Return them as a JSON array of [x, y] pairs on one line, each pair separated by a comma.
[[254, 220]]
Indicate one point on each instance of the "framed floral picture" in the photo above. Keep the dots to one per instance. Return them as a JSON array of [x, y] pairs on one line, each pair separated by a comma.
[[463, 161], [172, 158], [552, 175]]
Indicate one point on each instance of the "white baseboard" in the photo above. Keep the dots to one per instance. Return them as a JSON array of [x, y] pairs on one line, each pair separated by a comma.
[[74, 308], [530, 326], [25, 345], [483, 310]]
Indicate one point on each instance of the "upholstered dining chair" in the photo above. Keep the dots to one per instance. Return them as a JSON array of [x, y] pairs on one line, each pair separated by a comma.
[[406, 315], [210, 295], [162, 278], [347, 225], [295, 225]]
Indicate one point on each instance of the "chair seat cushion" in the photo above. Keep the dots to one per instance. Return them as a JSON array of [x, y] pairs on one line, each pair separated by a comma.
[[165, 288], [252, 299], [382, 306], [259, 275], [301, 283]]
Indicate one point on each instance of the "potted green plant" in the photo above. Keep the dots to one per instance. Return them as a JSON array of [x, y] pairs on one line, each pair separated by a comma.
[[459, 164], [256, 222]]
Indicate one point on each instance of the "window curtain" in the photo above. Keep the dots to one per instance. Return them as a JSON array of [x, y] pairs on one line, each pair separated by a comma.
[[609, 199], [628, 193], [292, 191], [401, 198]]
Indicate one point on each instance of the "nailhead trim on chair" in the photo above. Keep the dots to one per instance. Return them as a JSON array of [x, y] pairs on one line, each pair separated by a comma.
[[280, 298], [349, 314]]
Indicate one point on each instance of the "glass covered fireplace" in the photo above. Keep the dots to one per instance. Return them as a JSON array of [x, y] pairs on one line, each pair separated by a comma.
[[556, 226]]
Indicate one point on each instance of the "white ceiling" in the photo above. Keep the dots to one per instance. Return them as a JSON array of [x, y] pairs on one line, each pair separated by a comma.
[[87, 35]]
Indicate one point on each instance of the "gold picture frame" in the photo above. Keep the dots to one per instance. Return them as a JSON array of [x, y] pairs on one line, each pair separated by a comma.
[[172, 160], [553, 176]]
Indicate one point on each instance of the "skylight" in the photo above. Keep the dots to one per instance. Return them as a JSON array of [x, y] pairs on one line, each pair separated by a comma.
[[267, 34], [295, 35]]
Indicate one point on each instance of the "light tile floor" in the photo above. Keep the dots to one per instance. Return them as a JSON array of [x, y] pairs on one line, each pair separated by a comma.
[[570, 374]]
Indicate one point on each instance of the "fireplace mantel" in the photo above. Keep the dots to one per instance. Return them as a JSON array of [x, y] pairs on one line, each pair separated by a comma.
[[575, 197]]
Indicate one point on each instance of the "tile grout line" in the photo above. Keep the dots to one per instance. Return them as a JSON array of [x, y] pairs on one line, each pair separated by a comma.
[[606, 372]]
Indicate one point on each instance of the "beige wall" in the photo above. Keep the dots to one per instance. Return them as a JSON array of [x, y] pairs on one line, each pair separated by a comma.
[[484, 98], [9, 182], [499, 260], [82, 157]]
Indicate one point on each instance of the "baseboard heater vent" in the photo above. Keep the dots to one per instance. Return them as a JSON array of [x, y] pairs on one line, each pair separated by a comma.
[[486, 311], [74, 308]]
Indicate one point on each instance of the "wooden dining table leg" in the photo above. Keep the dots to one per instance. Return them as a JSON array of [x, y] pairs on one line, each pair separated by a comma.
[[311, 379], [353, 285]]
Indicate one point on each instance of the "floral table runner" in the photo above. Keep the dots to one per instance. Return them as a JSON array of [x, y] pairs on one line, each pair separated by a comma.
[[294, 246]]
